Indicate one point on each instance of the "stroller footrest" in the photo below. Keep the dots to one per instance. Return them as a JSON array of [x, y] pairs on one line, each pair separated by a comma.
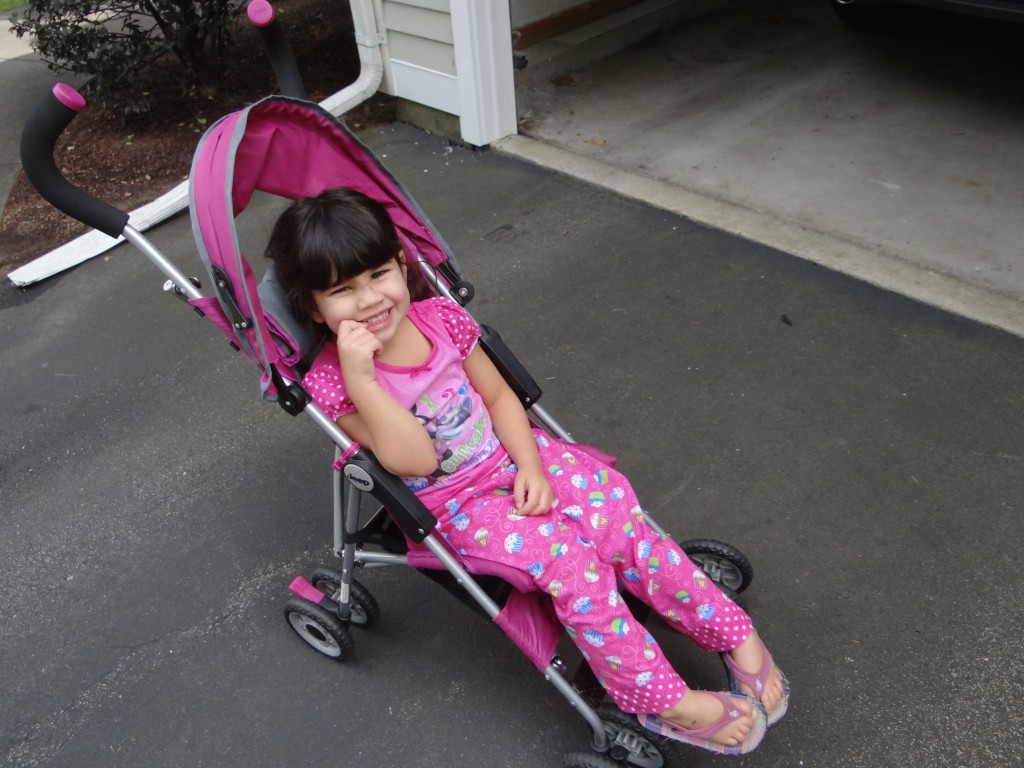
[[302, 588]]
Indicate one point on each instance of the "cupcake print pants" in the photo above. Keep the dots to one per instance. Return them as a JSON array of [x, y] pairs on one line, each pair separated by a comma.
[[594, 539]]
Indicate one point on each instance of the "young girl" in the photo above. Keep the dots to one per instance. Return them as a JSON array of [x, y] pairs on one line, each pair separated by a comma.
[[407, 380]]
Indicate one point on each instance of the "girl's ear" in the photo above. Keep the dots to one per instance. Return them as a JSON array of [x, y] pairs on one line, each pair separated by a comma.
[[314, 312], [401, 262]]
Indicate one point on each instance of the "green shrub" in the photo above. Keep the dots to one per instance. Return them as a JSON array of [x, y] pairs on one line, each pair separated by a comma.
[[118, 42]]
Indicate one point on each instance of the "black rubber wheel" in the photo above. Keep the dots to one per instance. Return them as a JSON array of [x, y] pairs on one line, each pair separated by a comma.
[[321, 630], [725, 565], [631, 745], [363, 607]]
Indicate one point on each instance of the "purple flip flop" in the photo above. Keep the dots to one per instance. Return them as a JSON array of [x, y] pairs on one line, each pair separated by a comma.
[[701, 737], [756, 682]]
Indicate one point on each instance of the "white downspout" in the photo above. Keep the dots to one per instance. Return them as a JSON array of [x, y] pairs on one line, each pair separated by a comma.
[[369, 39]]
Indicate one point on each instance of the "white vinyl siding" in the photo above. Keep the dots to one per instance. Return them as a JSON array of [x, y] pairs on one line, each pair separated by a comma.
[[444, 6], [455, 56], [421, 22], [421, 53]]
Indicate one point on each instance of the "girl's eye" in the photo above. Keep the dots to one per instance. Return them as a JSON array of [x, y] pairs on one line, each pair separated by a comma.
[[381, 272]]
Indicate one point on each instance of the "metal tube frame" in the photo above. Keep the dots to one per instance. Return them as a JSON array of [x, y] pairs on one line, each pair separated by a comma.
[[165, 265], [347, 502], [347, 498]]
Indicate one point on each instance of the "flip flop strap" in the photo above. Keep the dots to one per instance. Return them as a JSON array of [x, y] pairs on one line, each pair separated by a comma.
[[753, 681], [730, 712]]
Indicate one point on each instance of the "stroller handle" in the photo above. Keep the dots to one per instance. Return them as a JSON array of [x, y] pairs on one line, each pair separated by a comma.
[[279, 51], [46, 123]]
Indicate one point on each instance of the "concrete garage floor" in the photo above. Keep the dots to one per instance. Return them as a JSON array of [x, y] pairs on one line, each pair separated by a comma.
[[892, 157]]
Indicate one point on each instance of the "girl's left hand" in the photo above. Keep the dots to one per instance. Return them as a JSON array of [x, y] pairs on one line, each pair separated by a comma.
[[532, 493]]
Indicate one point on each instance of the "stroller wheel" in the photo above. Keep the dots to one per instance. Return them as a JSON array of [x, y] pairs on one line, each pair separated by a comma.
[[725, 565], [631, 744], [364, 611], [322, 630]]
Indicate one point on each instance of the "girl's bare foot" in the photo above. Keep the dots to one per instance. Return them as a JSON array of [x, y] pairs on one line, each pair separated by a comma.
[[699, 709], [749, 658]]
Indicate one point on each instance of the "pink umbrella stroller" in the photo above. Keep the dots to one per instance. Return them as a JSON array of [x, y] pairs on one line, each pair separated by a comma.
[[291, 148]]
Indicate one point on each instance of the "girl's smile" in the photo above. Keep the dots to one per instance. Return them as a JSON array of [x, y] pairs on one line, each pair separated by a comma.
[[378, 322], [377, 299]]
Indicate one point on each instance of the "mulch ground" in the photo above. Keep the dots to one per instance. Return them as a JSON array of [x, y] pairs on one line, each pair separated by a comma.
[[129, 164]]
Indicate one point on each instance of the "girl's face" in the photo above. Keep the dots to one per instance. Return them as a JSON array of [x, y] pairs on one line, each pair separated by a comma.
[[377, 298]]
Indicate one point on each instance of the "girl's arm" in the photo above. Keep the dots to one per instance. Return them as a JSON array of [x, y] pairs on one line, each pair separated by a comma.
[[532, 492], [396, 437]]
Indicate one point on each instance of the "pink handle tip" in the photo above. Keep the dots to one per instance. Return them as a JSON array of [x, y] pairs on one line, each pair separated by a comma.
[[260, 13], [69, 97]]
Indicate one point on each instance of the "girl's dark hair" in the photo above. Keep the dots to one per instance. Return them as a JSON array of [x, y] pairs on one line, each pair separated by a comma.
[[324, 240]]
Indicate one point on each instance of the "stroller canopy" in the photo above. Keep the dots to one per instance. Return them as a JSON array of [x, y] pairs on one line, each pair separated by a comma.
[[293, 149]]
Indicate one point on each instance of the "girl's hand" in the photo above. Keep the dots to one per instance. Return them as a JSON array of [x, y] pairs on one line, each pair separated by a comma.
[[357, 348], [532, 493]]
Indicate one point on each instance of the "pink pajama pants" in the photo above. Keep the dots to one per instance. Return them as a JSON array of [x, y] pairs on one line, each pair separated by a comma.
[[594, 539]]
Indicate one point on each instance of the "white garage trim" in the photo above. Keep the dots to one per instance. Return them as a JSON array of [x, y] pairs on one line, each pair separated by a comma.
[[482, 30]]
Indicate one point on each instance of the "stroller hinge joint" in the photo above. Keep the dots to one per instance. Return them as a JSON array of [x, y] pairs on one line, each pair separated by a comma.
[[227, 298], [292, 398]]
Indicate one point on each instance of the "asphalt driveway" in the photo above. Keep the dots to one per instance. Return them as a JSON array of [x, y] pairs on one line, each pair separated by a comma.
[[864, 450]]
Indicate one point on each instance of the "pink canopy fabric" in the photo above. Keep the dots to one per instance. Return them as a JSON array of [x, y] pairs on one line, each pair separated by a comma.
[[292, 149]]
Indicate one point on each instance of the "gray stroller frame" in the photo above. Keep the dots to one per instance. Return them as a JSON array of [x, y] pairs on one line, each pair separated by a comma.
[[257, 322]]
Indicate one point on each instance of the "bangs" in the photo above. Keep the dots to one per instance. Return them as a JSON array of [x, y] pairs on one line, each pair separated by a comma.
[[338, 252], [319, 242], [343, 235]]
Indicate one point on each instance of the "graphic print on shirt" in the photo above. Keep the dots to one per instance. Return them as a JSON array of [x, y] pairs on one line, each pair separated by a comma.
[[456, 439]]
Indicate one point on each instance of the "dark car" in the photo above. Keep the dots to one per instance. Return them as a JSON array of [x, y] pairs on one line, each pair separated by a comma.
[[868, 13]]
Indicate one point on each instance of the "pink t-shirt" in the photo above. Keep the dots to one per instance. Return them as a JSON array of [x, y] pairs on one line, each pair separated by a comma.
[[437, 392]]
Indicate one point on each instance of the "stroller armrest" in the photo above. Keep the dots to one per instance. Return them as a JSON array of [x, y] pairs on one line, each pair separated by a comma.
[[508, 365], [367, 474]]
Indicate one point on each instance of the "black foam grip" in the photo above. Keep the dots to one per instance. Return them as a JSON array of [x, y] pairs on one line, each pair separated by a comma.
[[282, 60], [38, 138]]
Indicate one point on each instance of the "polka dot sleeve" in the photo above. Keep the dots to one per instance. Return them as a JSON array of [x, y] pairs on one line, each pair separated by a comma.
[[324, 385], [463, 330]]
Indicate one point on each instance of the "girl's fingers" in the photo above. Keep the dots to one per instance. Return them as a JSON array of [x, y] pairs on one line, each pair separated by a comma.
[[357, 348], [519, 493], [531, 499], [354, 336], [523, 496], [346, 327]]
